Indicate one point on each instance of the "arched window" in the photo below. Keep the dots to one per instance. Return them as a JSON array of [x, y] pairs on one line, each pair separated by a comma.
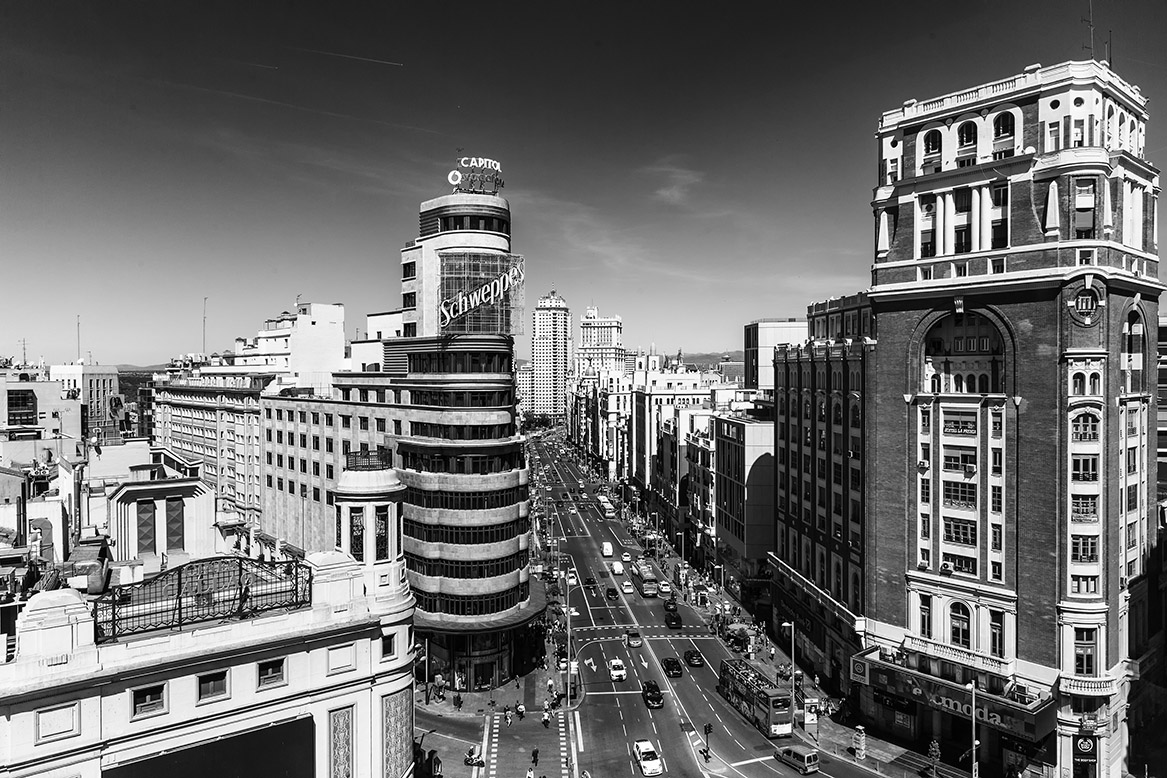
[[1095, 384], [960, 625], [1122, 130], [806, 411], [822, 411], [958, 383], [821, 572], [837, 588], [970, 384], [966, 134], [984, 383], [935, 383], [1085, 427], [855, 416], [932, 140], [856, 591], [837, 417], [1078, 384], [1003, 126]]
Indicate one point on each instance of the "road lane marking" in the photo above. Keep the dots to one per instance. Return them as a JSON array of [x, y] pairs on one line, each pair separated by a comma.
[[579, 732], [751, 761]]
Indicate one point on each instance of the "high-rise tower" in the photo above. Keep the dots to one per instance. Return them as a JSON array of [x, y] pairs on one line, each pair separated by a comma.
[[1010, 421], [601, 343], [550, 355]]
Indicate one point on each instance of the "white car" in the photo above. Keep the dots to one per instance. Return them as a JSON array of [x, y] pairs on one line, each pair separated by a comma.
[[616, 670], [626, 587], [626, 558], [647, 757], [617, 568], [664, 587], [572, 580]]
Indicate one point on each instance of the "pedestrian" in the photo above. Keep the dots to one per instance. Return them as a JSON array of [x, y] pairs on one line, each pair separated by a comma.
[[816, 680], [530, 772], [771, 653], [535, 757], [550, 685], [520, 709], [546, 719], [506, 714]]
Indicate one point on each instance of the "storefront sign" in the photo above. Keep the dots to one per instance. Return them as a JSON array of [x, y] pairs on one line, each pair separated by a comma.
[[1085, 748], [476, 174], [489, 293], [860, 670]]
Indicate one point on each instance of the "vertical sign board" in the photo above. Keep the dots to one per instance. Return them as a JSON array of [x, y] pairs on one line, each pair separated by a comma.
[[1085, 749]]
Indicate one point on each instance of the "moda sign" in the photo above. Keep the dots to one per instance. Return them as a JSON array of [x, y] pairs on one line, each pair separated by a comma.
[[476, 174], [488, 293]]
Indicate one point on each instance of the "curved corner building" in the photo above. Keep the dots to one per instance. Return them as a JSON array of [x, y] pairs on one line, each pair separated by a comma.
[[462, 460]]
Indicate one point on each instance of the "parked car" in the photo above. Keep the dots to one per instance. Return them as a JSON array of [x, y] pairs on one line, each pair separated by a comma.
[[693, 658], [653, 697], [673, 620], [672, 667], [611, 593]]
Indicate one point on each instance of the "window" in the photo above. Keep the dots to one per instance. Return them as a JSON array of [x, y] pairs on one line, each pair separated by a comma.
[[1132, 460], [997, 633], [148, 700], [965, 565], [925, 490], [329, 473], [1003, 126], [925, 420], [213, 685], [1085, 640], [995, 570], [328, 420], [380, 425], [409, 300], [925, 525], [388, 646], [932, 140], [1085, 468], [960, 531], [1084, 507], [315, 442], [270, 673], [966, 134], [303, 441], [999, 237], [995, 460], [1085, 426], [1084, 548], [958, 494], [1084, 584], [963, 236], [1132, 535], [346, 394], [926, 615], [1053, 138], [346, 422], [960, 631], [279, 414], [996, 537], [997, 264], [364, 422], [995, 500], [408, 270]]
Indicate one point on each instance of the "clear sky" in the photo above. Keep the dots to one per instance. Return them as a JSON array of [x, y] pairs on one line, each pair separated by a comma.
[[688, 166]]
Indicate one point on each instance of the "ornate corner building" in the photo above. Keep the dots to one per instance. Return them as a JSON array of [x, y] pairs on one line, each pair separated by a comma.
[[997, 558]]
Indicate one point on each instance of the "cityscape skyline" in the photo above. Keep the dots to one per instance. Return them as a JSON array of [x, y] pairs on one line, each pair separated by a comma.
[[250, 162]]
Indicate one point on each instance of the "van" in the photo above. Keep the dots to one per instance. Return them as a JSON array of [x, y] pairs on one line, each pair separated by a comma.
[[617, 568], [606, 549], [802, 758]]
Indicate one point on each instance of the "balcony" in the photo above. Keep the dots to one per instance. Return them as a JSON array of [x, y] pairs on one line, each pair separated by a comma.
[[1087, 687], [962, 656]]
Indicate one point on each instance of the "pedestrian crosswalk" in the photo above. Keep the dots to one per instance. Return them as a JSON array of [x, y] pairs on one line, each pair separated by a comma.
[[512, 748]]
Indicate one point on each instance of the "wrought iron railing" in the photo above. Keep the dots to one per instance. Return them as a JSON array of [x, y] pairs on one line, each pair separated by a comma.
[[200, 591]]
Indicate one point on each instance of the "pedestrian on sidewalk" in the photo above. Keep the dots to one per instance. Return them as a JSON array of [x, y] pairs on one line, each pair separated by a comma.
[[771, 653], [520, 709], [546, 720], [550, 685], [535, 757], [506, 714]]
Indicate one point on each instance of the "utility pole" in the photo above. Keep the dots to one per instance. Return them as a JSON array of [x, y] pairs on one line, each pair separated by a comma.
[[1089, 22], [204, 326]]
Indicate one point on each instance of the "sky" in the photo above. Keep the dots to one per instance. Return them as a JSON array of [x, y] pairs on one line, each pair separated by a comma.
[[689, 167]]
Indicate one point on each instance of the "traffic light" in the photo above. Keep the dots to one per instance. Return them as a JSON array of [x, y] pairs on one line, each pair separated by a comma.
[[708, 728]]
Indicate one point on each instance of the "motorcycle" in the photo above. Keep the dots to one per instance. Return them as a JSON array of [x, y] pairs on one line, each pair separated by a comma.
[[472, 759]]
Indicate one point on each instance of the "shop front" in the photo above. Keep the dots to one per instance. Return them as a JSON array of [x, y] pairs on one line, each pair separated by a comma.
[[1014, 733]]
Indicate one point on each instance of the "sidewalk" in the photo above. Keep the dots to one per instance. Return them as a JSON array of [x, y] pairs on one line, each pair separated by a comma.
[[531, 690]]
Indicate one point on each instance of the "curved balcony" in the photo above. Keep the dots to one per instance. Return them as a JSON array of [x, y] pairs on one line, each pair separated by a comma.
[[464, 482], [469, 517], [1087, 686], [454, 552], [1054, 162], [468, 587]]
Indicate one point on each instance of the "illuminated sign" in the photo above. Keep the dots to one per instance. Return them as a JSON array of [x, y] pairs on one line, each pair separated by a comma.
[[488, 293], [476, 174]]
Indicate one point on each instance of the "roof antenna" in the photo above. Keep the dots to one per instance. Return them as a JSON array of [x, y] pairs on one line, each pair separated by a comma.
[[1089, 22]]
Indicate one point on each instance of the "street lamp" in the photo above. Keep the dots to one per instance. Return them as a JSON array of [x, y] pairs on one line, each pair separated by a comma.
[[793, 703], [972, 687]]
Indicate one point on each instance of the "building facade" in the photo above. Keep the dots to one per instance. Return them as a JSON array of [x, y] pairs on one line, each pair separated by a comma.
[[761, 337], [601, 343], [1016, 267], [550, 356], [102, 406]]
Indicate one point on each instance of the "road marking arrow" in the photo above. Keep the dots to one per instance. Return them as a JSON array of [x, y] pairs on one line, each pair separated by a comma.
[[644, 662], [591, 663]]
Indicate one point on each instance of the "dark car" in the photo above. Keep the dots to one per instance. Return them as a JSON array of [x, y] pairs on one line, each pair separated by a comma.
[[564, 495], [611, 593], [590, 582], [693, 658], [672, 620], [672, 667], [652, 695], [670, 606]]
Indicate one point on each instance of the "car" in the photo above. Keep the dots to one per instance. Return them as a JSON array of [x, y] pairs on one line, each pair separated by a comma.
[[672, 667], [590, 582], [626, 558], [548, 488], [693, 658], [664, 587], [652, 695], [611, 593], [626, 587], [670, 605], [673, 620], [632, 638], [802, 758], [617, 568], [647, 757], [616, 670], [572, 579], [563, 496]]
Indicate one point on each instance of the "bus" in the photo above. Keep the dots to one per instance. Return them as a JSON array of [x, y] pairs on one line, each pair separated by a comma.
[[757, 698], [644, 579], [606, 506]]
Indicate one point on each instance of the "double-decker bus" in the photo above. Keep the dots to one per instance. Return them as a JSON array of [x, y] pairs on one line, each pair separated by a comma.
[[757, 698], [606, 506], [644, 579]]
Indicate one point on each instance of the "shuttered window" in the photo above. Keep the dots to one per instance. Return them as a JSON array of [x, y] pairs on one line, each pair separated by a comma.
[[146, 530], [175, 518]]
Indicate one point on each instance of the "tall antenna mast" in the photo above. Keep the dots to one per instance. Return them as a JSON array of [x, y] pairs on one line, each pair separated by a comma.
[[78, 337], [1089, 22], [23, 351], [204, 326]]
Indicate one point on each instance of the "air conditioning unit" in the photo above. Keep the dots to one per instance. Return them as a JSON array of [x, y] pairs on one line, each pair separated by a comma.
[[928, 207], [851, 454], [1122, 582], [922, 464], [922, 564], [945, 569], [970, 469]]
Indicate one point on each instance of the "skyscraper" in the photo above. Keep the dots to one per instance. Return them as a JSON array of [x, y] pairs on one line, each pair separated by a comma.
[[601, 343], [550, 355]]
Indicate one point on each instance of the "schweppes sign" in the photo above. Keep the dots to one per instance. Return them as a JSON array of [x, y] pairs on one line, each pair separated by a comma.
[[489, 293]]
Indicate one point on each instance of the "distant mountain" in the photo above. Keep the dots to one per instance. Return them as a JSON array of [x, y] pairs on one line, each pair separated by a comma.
[[141, 368], [713, 357]]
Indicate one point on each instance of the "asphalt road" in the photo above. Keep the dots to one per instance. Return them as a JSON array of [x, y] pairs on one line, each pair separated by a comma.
[[613, 714]]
